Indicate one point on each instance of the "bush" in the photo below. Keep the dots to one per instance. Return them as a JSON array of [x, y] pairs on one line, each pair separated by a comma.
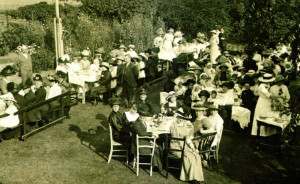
[[43, 60]]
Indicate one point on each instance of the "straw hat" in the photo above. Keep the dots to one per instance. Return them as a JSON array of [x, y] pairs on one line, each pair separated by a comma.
[[85, 53], [199, 107], [171, 30], [178, 34], [120, 58], [212, 107], [100, 51], [131, 46], [250, 72], [266, 78], [122, 46]]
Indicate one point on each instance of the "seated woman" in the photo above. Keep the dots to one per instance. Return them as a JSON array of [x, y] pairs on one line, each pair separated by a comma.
[[204, 96], [191, 167], [7, 110], [172, 106], [102, 87], [115, 119], [129, 117], [200, 116], [8, 74], [143, 107]]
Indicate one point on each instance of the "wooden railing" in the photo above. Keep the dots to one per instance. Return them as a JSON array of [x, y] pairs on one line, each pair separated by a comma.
[[23, 111]]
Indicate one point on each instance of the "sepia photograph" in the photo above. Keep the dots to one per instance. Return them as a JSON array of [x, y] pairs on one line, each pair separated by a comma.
[[149, 91]]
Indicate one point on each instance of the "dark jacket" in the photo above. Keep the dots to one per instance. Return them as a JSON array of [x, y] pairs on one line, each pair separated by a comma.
[[144, 109], [140, 129], [130, 75]]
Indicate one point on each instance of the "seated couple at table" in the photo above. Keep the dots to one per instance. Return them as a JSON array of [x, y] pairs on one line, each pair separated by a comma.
[[126, 126]]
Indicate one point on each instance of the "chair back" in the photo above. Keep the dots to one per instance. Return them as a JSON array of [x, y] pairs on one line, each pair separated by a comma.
[[205, 142], [145, 146], [111, 133], [168, 145]]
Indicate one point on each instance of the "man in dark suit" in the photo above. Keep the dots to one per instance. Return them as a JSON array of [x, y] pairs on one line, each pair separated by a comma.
[[130, 74], [140, 128]]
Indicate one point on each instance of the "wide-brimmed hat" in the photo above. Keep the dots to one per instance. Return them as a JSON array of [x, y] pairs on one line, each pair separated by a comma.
[[200, 35], [203, 76], [85, 53], [250, 72], [267, 77], [122, 46], [114, 101], [37, 77], [189, 81], [279, 78], [131, 46], [223, 65], [213, 31], [105, 64], [204, 93], [178, 34], [100, 51], [171, 93], [8, 70], [9, 98], [199, 107], [143, 55]]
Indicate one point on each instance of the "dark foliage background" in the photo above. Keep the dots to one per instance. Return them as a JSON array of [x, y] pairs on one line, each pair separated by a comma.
[[252, 23]]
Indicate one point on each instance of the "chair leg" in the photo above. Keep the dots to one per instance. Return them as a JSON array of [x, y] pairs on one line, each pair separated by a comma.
[[137, 166], [217, 154], [151, 170], [126, 157], [134, 161], [110, 155], [167, 167]]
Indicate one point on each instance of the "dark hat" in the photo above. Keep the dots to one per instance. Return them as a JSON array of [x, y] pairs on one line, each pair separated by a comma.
[[61, 74], [37, 77], [8, 70], [114, 101], [223, 65], [10, 86], [204, 93], [199, 107], [28, 83], [189, 82]]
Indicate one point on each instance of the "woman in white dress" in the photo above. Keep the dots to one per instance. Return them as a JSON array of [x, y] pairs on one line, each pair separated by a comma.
[[166, 51], [263, 105], [214, 47], [159, 40]]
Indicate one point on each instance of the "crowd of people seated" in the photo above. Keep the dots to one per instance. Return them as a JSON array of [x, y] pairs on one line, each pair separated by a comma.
[[204, 81]]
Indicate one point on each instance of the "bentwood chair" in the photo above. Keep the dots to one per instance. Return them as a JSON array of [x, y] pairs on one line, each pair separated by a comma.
[[139, 153], [205, 143], [170, 151], [116, 147]]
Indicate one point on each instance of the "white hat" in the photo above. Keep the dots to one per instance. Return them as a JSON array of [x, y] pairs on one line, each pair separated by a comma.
[[267, 77], [131, 46], [171, 30], [178, 34], [171, 93], [85, 53]]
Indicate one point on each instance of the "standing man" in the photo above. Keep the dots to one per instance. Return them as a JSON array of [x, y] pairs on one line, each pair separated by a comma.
[[24, 63], [130, 74]]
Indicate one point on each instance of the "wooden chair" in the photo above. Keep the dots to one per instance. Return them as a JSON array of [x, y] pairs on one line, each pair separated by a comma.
[[205, 141], [169, 150], [116, 145], [215, 149], [138, 152]]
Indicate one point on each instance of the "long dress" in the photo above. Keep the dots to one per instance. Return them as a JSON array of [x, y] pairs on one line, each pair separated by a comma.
[[192, 166], [166, 51], [214, 48], [263, 107]]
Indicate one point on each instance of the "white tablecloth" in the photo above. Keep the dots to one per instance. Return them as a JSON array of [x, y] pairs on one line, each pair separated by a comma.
[[275, 120], [241, 115]]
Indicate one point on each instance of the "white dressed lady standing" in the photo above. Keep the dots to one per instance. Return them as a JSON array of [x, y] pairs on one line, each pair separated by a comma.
[[263, 105], [166, 51], [214, 47]]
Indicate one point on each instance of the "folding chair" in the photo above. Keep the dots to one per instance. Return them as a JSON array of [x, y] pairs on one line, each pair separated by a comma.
[[138, 152], [117, 145], [205, 141], [171, 156]]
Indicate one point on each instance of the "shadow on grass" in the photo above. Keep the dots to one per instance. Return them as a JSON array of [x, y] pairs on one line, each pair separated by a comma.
[[96, 139]]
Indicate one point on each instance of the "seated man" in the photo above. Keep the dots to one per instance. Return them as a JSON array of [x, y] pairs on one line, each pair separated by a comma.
[[115, 119], [140, 128], [143, 107]]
